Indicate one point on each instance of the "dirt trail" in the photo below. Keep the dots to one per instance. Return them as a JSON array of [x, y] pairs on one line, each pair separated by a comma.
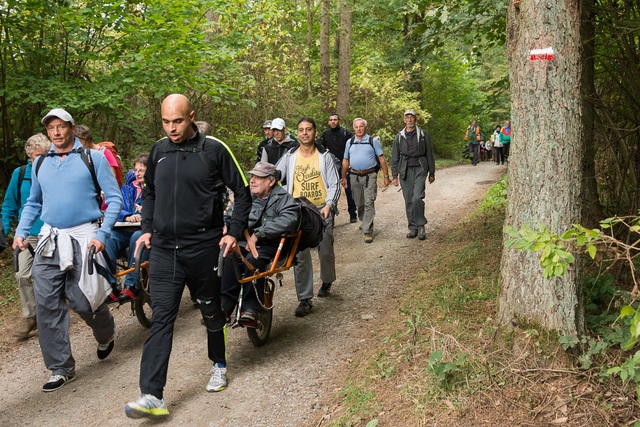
[[286, 382]]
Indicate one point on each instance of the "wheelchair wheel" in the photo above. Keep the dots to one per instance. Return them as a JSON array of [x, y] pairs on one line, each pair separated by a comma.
[[260, 334], [142, 304]]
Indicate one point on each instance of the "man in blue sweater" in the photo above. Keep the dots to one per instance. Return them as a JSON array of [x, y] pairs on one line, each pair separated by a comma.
[[14, 199], [63, 188]]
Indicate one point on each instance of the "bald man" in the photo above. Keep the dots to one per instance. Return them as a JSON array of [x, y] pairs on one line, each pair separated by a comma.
[[182, 223]]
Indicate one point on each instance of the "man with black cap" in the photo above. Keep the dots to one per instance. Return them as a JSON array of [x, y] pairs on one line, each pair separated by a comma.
[[268, 135], [63, 189], [412, 161], [274, 212]]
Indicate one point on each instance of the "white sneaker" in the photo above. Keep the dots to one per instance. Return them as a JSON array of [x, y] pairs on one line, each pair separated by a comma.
[[147, 406], [218, 381]]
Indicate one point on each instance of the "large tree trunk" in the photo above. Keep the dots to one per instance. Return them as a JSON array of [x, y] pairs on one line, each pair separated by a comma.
[[309, 41], [325, 58], [344, 59], [545, 171]]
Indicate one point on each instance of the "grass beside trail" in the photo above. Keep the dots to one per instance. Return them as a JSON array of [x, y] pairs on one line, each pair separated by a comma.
[[425, 351], [442, 359]]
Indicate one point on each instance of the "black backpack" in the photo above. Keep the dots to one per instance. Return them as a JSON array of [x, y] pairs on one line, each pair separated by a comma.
[[311, 224]]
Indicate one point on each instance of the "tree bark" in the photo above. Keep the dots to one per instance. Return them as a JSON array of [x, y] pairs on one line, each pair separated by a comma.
[[325, 58], [344, 58], [545, 170], [309, 41]]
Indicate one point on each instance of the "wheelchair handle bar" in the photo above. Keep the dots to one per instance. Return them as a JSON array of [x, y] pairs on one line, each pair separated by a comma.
[[16, 252], [138, 258]]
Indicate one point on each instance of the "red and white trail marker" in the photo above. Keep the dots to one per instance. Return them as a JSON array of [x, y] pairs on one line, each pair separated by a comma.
[[545, 54]]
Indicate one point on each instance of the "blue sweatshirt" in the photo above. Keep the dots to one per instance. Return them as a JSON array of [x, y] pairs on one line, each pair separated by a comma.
[[12, 207], [65, 192]]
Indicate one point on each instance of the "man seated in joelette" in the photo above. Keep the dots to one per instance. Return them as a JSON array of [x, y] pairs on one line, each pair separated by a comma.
[[123, 237], [274, 212]]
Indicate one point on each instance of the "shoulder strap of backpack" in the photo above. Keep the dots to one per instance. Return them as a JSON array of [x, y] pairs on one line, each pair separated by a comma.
[[85, 154], [218, 184], [21, 173]]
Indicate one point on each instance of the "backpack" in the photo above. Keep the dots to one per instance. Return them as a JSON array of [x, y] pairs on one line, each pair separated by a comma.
[[352, 142], [311, 224], [108, 145], [85, 153]]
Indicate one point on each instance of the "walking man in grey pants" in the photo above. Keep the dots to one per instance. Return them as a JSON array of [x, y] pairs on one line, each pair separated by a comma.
[[412, 160]]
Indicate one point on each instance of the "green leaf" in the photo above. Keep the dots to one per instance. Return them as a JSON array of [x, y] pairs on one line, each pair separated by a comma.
[[592, 250], [627, 310]]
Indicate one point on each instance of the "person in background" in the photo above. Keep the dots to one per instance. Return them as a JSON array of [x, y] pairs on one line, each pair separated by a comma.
[[126, 237], [362, 156], [63, 192], [497, 145], [203, 127], [268, 135], [280, 144], [86, 139], [335, 140], [14, 199], [412, 161], [473, 138], [505, 138]]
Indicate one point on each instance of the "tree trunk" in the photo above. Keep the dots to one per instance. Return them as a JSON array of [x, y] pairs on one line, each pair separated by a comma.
[[592, 210], [545, 170], [307, 61], [344, 59], [325, 59]]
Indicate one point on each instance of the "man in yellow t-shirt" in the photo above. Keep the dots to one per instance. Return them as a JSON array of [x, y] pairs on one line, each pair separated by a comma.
[[310, 170]]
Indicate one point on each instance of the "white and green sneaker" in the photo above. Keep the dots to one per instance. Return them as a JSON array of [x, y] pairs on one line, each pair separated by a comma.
[[218, 381], [148, 406]]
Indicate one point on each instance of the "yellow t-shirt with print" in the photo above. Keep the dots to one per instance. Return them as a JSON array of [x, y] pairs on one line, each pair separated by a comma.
[[308, 180]]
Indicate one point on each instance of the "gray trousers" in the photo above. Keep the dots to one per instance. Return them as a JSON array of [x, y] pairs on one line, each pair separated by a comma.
[[303, 271], [413, 186], [365, 190], [25, 280], [53, 288]]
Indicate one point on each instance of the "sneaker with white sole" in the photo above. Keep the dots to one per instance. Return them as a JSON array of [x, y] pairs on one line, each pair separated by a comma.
[[147, 406], [58, 381], [218, 381]]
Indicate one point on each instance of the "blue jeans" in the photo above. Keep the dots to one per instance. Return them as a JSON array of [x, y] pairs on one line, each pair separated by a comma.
[[118, 242]]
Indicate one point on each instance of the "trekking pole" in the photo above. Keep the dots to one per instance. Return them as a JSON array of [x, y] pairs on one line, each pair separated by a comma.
[[90, 254], [221, 260]]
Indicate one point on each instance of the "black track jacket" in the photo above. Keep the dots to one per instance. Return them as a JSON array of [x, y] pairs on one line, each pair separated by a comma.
[[180, 205]]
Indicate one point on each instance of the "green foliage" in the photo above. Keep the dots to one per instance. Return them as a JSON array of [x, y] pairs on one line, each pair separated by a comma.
[[623, 329], [496, 197], [448, 372]]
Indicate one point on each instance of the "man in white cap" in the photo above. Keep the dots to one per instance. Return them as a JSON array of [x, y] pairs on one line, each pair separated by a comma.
[[63, 188], [412, 161], [280, 144]]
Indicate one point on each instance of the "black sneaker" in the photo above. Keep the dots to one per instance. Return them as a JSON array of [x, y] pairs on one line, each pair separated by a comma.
[[58, 381], [325, 290], [104, 350], [303, 308], [353, 219], [412, 234]]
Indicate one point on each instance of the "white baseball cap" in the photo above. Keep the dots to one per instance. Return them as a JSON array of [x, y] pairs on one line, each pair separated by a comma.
[[59, 113], [277, 123]]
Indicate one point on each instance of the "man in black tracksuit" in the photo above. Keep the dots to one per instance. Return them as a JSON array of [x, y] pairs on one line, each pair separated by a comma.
[[182, 219]]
